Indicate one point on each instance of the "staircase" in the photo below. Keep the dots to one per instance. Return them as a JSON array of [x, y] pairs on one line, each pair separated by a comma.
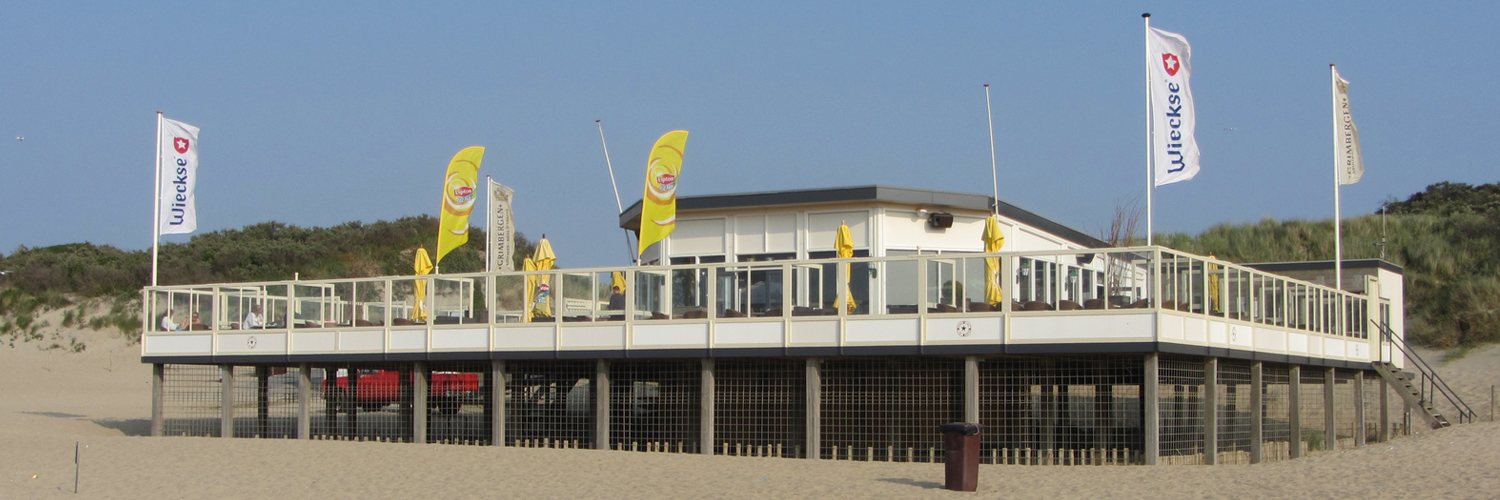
[[1419, 389], [1410, 393]]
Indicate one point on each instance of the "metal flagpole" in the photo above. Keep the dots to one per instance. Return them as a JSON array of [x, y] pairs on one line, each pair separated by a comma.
[[1150, 144], [1338, 236], [156, 205], [489, 224], [618, 206], [994, 177]]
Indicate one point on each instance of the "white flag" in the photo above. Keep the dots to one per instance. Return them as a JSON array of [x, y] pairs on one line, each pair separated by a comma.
[[502, 228], [178, 166], [1346, 155], [1176, 149]]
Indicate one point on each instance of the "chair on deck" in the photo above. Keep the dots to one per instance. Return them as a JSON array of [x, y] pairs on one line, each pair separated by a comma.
[[1068, 305], [1037, 305], [1093, 304]]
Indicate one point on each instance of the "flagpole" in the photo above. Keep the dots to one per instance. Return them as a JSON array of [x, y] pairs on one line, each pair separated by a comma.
[[618, 205], [994, 176], [489, 224], [1338, 235], [156, 205], [1150, 157]]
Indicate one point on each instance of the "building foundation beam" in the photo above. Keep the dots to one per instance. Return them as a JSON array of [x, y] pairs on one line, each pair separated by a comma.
[[1151, 405], [1210, 412], [1258, 412], [814, 407]]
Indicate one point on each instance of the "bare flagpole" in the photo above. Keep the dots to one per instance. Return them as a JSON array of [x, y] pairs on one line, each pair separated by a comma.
[[156, 203], [994, 177], [1150, 157], [1338, 234], [618, 205]]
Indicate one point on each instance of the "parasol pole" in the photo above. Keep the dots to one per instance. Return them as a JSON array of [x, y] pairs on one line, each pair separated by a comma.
[[994, 177]]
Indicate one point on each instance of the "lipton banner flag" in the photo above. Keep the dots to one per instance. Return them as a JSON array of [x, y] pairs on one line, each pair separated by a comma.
[[1351, 164], [460, 189], [178, 166], [659, 204], [1173, 121]]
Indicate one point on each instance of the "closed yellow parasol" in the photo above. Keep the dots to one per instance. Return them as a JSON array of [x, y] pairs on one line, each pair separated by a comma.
[[423, 265], [539, 287], [994, 239], [844, 245]]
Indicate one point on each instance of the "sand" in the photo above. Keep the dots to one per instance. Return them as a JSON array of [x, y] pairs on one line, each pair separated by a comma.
[[50, 400]]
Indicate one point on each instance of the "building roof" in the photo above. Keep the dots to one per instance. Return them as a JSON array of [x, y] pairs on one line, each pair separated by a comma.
[[933, 199], [1326, 265]]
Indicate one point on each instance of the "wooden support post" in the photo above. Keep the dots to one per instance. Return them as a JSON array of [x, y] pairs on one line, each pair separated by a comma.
[[706, 412], [351, 407], [601, 405], [226, 401], [971, 389], [497, 402], [1384, 433], [1210, 412], [262, 400], [1294, 412], [304, 401], [419, 378], [1257, 412], [1152, 408], [1359, 409], [1330, 411], [814, 409], [158, 399]]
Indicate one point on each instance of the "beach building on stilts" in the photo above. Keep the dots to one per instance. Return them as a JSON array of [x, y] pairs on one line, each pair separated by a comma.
[[762, 327]]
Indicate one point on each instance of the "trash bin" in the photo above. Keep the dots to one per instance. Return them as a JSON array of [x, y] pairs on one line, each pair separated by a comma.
[[961, 455]]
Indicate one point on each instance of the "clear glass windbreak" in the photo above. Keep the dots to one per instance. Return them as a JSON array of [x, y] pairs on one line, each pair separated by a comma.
[[578, 297], [455, 300], [610, 288], [409, 301], [749, 291], [510, 299], [814, 290], [898, 282]]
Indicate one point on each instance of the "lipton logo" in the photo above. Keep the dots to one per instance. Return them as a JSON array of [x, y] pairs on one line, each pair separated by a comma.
[[1171, 63], [463, 192], [666, 181], [180, 144]]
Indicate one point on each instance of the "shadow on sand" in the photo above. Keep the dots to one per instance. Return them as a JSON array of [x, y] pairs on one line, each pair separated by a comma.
[[912, 482], [131, 427]]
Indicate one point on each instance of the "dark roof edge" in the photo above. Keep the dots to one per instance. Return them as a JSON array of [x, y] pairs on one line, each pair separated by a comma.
[[1322, 265], [934, 198]]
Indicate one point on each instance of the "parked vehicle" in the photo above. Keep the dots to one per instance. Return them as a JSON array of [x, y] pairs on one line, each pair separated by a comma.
[[376, 389]]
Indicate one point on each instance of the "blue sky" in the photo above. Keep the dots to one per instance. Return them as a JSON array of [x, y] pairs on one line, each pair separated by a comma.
[[317, 113]]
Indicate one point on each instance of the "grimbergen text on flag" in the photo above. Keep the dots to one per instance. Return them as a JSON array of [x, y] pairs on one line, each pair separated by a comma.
[[178, 170], [460, 190], [1175, 150], [1346, 155]]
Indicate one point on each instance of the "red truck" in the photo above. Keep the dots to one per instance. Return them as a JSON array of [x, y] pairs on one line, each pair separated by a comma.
[[376, 389]]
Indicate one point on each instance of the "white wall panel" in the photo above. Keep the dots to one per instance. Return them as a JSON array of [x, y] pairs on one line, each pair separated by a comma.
[[821, 228], [661, 335], [467, 339], [179, 344], [525, 338], [255, 343], [781, 233], [314, 342], [757, 333], [815, 333], [594, 337], [363, 340], [1074, 328], [698, 237], [750, 234], [409, 340], [985, 329], [894, 331]]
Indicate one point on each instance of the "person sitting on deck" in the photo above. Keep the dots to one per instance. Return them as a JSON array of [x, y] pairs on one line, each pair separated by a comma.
[[167, 324], [616, 299], [253, 319]]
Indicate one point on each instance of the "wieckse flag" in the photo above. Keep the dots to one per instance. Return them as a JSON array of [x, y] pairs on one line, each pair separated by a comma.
[[178, 170], [1175, 149]]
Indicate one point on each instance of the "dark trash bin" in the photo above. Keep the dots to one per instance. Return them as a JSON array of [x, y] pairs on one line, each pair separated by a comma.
[[961, 455]]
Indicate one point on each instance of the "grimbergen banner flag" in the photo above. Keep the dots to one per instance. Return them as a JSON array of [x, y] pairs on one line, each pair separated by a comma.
[[177, 171], [502, 228], [1175, 150], [460, 190], [1346, 154], [659, 204]]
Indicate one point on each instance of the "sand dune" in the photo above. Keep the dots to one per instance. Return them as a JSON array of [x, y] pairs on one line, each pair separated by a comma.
[[100, 398]]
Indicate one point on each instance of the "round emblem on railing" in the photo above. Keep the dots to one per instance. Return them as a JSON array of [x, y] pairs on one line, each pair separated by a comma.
[[964, 328], [250, 342]]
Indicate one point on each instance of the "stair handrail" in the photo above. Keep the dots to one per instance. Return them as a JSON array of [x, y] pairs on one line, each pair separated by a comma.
[[1429, 375]]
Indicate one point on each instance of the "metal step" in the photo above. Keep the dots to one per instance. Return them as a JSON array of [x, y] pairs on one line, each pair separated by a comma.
[[1410, 394]]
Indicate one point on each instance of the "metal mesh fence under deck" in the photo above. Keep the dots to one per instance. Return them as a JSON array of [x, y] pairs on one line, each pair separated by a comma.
[[1060, 410], [459, 403], [889, 409], [1234, 411], [760, 407], [1372, 407], [265, 402], [361, 402], [1311, 402], [1276, 428], [1180, 396], [191, 400], [1343, 401], [549, 404], [654, 405]]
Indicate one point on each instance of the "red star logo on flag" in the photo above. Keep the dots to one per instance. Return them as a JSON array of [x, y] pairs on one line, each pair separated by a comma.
[[1170, 62], [180, 144]]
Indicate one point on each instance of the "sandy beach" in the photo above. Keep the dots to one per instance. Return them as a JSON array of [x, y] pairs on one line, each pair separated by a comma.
[[50, 400]]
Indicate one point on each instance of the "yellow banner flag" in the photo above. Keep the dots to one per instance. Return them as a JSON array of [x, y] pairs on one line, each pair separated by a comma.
[[659, 204], [460, 189]]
